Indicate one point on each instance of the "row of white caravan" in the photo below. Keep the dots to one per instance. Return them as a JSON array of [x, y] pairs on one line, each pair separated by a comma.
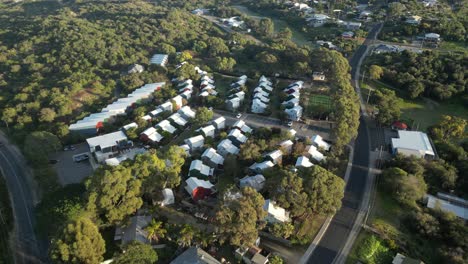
[[292, 108], [261, 96]]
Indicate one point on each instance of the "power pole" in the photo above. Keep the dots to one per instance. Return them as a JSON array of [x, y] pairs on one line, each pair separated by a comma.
[[368, 96], [363, 74]]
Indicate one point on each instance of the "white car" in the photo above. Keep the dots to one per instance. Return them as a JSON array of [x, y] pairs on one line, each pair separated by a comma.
[[238, 115], [290, 123]]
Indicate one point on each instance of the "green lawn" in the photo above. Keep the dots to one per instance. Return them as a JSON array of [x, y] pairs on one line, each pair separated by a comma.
[[453, 46], [423, 113]]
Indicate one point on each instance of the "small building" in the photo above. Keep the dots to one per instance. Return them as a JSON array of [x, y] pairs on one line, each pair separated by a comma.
[[347, 35], [257, 182], [275, 214], [432, 37], [318, 76], [237, 138], [401, 259], [208, 131], [449, 203], [226, 147], [195, 255], [275, 156], [352, 25], [219, 123], [258, 106], [186, 149], [165, 125], [135, 68], [132, 125], [252, 255], [365, 15], [413, 20], [168, 197], [259, 167], [195, 142], [318, 141], [385, 48], [178, 101], [294, 113], [313, 153], [108, 145], [291, 102], [242, 126], [199, 189], [286, 146], [303, 161], [167, 106], [233, 104], [292, 132], [151, 135], [212, 158], [198, 169], [200, 11], [134, 231], [187, 112], [178, 120], [318, 20], [414, 143], [159, 59]]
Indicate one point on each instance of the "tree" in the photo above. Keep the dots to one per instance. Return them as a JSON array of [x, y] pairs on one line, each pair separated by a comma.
[[186, 235], [375, 72], [266, 57], [396, 9], [266, 27], [79, 242], [225, 63], [388, 104], [155, 230], [283, 230], [113, 193], [8, 115], [276, 260], [252, 149], [238, 220], [405, 188], [425, 224], [450, 127], [39, 144], [136, 253], [47, 115], [441, 175], [216, 47], [325, 190], [184, 56], [202, 116]]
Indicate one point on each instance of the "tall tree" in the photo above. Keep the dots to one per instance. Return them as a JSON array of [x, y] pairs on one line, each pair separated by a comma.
[[39, 144], [388, 105], [202, 116], [113, 193], [238, 220], [136, 253], [450, 127], [375, 72], [79, 242], [155, 230], [325, 190], [405, 188], [186, 236]]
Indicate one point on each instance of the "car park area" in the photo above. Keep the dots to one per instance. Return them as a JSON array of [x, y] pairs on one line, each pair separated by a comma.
[[72, 166]]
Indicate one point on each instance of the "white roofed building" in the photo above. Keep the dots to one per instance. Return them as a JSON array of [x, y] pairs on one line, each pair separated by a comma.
[[151, 135], [219, 123], [303, 161], [168, 197], [208, 131], [198, 169], [195, 142], [275, 156], [240, 124], [312, 152], [212, 158], [198, 189], [108, 145], [414, 143], [165, 125], [318, 141], [226, 147], [259, 167], [448, 203], [187, 112], [159, 59], [294, 113], [257, 182], [275, 214], [178, 120], [236, 136]]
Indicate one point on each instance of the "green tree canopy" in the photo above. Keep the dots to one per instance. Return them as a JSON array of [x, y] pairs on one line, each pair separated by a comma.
[[79, 242], [375, 72], [136, 253], [388, 105], [202, 116], [39, 144], [405, 188]]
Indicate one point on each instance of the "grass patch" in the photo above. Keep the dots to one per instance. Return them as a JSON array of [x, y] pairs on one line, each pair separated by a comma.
[[6, 220], [223, 84], [308, 229], [422, 113], [453, 46]]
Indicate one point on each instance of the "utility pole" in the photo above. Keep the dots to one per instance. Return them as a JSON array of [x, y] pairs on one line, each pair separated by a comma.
[[363, 74], [368, 96]]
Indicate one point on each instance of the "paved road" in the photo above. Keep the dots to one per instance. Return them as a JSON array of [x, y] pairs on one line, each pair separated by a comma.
[[27, 248], [331, 244]]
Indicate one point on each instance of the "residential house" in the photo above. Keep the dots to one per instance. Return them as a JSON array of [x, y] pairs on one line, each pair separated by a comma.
[[294, 113], [147, 118], [313, 153], [318, 20], [291, 102], [186, 149], [134, 231], [414, 143], [219, 123], [208, 131], [198, 169], [151, 135], [258, 106], [303, 161], [199, 189], [135, 68], [286, 146], [327, 44], [212, 158], [275, 156], [226, 147], [365, 15], [242, 126], [108, 145], [178, 120], [157, 112], [347, 35], [257, 182], [448, 203], [165, 125], [385, 48], [259, 167], [195, 142], [236, 136], [275, 214], [352, 25], [200, 11], [167, 106], [252, 255], [292, 132], [187, 112], [240, 95], [159, 59], [186, 94], [318, 76], [432, 37], [178, 101], [413, 20], [233, 104], [132, 125], [318, 141], [168, 197], [195, 255], [401, 259]]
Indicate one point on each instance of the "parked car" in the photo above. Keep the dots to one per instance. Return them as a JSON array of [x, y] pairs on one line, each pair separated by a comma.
[[53, 161], [290, 123], [80, 158], [238, 115], [70, 147]]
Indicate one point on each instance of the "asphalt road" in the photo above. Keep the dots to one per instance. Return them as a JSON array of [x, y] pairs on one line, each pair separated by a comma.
[[337, 233], [28, 249]]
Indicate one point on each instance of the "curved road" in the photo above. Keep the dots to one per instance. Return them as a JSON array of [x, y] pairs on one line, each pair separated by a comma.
[[330, 247], [27, 248]]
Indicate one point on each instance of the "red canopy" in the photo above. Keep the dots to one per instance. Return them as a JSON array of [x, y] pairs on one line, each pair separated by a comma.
[[399, 125]]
